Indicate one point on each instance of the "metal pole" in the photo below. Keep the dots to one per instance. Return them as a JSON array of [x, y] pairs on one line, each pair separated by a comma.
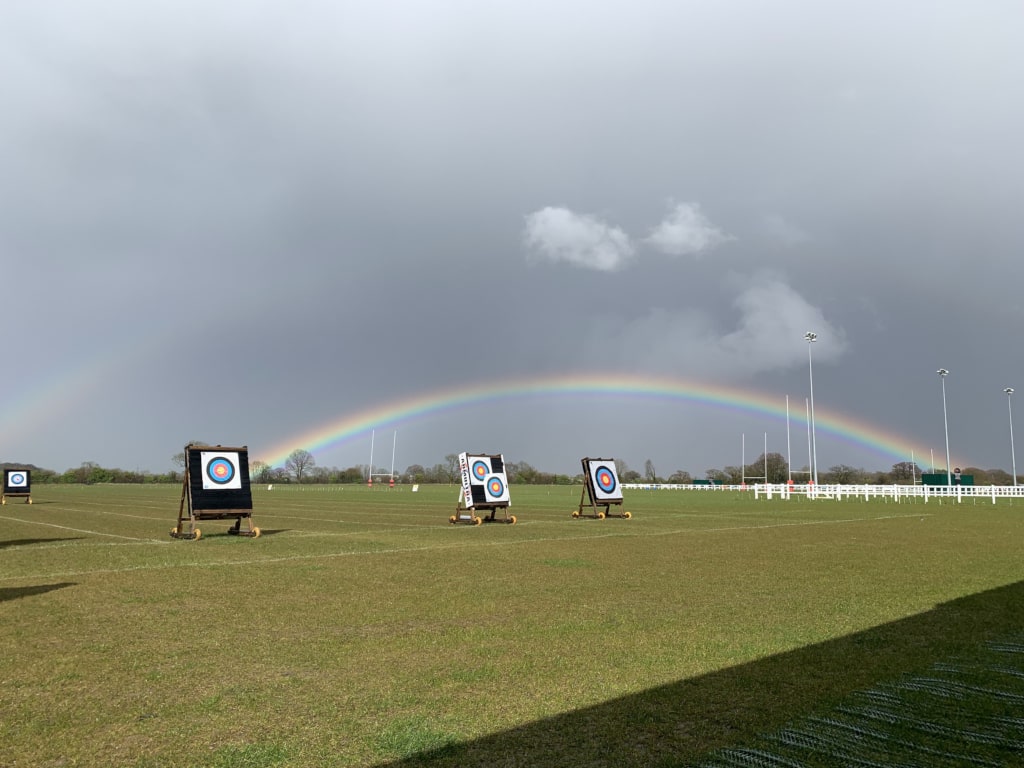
[[812, 337], [789, 449], [807, 416], [1013, 457], [943, 373], [369, 474], [394, 444]]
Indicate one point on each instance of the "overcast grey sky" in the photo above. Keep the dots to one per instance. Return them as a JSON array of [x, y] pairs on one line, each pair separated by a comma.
[[242, 221]]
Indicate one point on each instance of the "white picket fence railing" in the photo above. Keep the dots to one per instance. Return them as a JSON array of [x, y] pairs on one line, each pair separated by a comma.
[[830, 491]]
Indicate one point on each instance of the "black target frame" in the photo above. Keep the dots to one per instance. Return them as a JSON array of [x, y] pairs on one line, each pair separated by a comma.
[[589, 496], [201, 501], [473, 495], [17, 491]]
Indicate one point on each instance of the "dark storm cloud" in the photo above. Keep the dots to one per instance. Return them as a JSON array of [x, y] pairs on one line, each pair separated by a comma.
[[320, 207]]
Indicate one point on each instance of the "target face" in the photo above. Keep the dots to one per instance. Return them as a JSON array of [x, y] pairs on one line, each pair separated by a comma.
[[220, 471], [606, 482], [496, 488], [480, 470], [17, 478]]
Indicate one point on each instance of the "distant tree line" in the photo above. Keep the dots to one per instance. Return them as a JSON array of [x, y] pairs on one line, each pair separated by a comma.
[[301, 467]]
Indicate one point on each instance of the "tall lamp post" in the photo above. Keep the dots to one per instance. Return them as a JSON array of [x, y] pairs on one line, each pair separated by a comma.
[[810, 337], [1013, 457], [943, 373]]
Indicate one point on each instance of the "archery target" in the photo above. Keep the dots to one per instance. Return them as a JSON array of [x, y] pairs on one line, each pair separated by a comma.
[[497, 488], [17, 479], [480, 468], [605, 481], [483, 480], [220, 471]]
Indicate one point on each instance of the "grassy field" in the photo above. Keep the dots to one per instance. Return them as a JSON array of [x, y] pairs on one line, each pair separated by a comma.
[[361, 629]]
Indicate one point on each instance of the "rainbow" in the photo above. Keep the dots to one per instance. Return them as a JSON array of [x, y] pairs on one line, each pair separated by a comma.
[[431, 403]]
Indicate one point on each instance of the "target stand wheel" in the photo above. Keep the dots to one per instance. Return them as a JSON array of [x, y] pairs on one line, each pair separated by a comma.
[[600, 515], [512, 520], [477, 520], [196, 535], [452, 519], [627, 515], [28, 500], [575, 513], [3, 500]]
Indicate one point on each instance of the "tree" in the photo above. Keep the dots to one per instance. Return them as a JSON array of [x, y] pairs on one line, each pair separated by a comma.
[[905, 472], [451, 467], [178, 459], [649, 474], [844, 474], [257, 470], [680, 477], [299, 462], [778, 469]]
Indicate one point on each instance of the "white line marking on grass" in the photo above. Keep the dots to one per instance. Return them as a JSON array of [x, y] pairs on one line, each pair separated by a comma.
[[83, 530], [425, 548]]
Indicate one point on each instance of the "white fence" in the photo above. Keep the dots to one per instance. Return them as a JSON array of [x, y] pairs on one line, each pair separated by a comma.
[[810, 491]]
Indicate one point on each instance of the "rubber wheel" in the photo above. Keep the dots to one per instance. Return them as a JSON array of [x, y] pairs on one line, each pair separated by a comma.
[[3, 501], [477, 520], [600, 515], [512, 519], [575, 513], [452, 519], [256, 533], [197, 535], [29, 501], [627, 515], [174, 532]]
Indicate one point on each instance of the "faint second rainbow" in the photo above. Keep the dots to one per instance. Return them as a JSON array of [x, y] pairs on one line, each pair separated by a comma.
[[348, 426]]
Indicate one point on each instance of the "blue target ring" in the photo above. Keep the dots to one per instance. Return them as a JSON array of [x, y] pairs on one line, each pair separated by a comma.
[[17, 478], [495, 487], [605, 479], [220, 471], [480, 469]]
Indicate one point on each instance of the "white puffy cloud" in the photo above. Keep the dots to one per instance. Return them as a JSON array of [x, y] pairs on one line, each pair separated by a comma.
[[559, 234], [686, 231]]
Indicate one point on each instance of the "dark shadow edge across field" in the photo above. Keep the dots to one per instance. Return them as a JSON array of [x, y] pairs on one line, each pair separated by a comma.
[[30, 542], [13, 593], [677, 724]]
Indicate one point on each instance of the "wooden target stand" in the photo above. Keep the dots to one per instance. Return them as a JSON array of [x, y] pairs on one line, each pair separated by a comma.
[[17, 484], [216, 487], [592, 499], [484, 488], [467, 515]]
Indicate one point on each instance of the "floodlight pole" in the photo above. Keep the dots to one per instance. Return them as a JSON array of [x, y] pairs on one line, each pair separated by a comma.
[[943, 373], [1013, 457], [810, 337]]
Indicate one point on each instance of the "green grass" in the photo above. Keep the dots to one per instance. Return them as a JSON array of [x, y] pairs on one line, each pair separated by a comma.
[[362, 629]]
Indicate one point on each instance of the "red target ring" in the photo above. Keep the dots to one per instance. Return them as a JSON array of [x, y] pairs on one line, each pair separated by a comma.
[[220, 471], [605, 479]]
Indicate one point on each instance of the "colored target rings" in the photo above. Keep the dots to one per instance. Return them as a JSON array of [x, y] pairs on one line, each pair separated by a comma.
[[16, 479], [495, 487], [605, 480], [220, 471], [481, 469]]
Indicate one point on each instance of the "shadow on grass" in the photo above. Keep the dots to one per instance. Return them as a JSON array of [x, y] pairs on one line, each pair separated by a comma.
[[28, 542], [676, 724], [13, 593]]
